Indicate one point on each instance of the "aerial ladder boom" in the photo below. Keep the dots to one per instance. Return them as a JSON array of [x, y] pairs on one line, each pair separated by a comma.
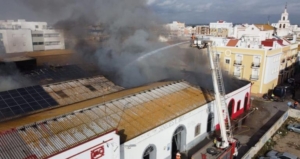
[[219, 90], [217, 84]]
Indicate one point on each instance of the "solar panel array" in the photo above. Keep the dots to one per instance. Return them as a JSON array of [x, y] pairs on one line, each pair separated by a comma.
[[57, 74], [23, 101]]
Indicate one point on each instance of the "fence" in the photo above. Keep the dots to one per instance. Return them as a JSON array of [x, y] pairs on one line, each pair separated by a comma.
[[253, 151]]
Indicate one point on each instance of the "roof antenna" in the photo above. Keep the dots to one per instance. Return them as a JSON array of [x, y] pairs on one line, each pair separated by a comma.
[[268, 19]]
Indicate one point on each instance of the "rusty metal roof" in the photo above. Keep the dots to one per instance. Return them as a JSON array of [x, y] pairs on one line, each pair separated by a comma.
[[136, 114]]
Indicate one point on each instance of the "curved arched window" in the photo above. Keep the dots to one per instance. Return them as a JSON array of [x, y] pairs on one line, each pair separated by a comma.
[[150, 152]]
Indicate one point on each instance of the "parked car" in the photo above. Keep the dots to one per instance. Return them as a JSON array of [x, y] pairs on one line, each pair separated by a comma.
[[283, 155], [294, 127], [283, 91]]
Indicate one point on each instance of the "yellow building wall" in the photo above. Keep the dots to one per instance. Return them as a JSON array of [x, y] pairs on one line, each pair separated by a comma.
[[230, 52]]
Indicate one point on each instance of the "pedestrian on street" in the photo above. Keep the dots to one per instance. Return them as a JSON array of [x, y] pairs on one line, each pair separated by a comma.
[[295, 104]]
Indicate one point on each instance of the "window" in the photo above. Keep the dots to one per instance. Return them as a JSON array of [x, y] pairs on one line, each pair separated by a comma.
[[279, 25], [197, 129], [36, 26], [283, 25], [38, 43], [37, 35], [227, 61], [52, 43], [52, 35], [1, 36], [283, 18]]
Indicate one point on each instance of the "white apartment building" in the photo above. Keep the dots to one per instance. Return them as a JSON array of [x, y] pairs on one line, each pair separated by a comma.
[[176, 28], [254, 32], [219, 25], [23, 36], [47, 40]]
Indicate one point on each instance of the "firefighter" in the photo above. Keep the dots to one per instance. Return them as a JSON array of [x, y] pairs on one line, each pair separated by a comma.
[[178, 155]]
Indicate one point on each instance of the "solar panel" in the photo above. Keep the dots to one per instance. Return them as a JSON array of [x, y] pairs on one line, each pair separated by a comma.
[[24, 101], [57, 74]]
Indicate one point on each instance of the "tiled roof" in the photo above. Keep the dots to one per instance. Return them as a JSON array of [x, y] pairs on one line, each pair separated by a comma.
[[232, 42], [264, 27], [135, 114], [270, 42]]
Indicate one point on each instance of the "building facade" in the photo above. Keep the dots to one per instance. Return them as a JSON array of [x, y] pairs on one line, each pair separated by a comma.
[[265, 65], [185, 131], [254, 32], [23, 36], [202, 30], [16, 40], [47, 40], [221, 29]]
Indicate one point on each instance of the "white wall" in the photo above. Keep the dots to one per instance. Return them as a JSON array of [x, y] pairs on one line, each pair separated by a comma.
[[238, 95], [109, 142], [161, 136], [17, 40], [272, 67], [32, 25], [252, 30]]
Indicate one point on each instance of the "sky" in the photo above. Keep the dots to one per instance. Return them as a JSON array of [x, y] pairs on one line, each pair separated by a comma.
[[188, 11], [236, 11]]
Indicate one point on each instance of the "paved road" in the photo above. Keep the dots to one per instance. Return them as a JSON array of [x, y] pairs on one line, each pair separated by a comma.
[[259, 122]]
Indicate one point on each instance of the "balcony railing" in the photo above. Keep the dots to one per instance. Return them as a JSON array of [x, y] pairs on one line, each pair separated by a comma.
[[256, 65], [253, 77], [237, 62]]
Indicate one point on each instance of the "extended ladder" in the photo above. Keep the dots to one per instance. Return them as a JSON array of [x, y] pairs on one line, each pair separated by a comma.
[[221, 89]]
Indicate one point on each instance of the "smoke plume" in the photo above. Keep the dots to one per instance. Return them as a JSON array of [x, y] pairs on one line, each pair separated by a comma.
[[113, 34], [11, 78]]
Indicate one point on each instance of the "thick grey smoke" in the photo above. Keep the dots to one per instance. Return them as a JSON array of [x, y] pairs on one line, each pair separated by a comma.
[[128, 30], [11, 78]]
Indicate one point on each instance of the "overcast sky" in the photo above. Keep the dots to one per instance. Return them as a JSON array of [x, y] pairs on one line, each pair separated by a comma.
[[237, 11], [188, 11]]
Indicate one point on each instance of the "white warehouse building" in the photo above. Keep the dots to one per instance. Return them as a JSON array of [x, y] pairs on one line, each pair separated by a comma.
[[153, 122], [23, 36]]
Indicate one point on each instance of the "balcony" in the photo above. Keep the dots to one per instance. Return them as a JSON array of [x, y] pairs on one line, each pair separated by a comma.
[[255, 65], [237, 62], [237, 74], [253, 77]]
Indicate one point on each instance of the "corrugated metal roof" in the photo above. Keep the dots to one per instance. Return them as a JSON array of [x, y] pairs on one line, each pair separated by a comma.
[[135, 114]]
